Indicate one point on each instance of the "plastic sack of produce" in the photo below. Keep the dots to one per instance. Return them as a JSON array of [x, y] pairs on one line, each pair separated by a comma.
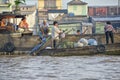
[[62, 35], [21, 30], [70, 44], [75, 45], [84, 41], [80, 44], [92, 42]]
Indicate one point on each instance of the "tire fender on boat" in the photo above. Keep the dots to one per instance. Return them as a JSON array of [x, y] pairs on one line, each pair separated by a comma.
[[101, 48], [9, 47]]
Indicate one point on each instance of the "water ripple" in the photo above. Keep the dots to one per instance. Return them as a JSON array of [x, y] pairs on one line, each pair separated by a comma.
[[60, 68]]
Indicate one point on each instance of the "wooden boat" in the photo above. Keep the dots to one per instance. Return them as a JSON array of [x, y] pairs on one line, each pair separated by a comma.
[[111, 49], [15, 42], [101, 48], [23, 43]]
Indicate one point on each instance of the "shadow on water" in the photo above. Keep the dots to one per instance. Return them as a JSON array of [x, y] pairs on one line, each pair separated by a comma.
[[60, 68]]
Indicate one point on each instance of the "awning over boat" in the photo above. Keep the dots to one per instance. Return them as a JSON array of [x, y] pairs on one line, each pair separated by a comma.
[[11, 16]]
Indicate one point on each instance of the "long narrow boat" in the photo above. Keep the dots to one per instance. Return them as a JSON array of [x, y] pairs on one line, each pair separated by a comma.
[[101, 48], [15, 42], [23, 43], [111, 49]]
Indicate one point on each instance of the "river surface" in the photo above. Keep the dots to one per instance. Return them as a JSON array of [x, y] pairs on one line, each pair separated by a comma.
[[60, 68]]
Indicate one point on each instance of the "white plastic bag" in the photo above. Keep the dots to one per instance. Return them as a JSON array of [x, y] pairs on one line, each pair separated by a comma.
[[84, 41], [62, 35]]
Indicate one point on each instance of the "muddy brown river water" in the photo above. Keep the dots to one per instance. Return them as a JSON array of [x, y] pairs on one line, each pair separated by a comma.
[[60, 68]]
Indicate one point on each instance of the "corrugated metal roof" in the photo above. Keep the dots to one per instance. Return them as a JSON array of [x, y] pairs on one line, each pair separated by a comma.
[[58, 11], [27, 12], [106, 19], [27, 5]]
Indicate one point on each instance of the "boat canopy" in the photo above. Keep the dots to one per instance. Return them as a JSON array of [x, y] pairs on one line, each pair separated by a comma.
[[11, 16]]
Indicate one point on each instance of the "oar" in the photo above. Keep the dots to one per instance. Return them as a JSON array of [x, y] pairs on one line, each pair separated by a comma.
[[37, 47], [85, 31]]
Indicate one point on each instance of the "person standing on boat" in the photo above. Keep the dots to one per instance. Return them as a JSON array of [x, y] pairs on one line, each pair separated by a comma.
[[55, 33], [109, 30], [44, 28], [23, 25]]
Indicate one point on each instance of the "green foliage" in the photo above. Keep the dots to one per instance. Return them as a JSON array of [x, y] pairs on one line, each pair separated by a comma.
[[10, 4], [66, 44], [17, 3]]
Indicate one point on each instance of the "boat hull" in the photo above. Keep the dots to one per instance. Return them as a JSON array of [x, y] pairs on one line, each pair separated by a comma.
[[25, 43], [111, 49]]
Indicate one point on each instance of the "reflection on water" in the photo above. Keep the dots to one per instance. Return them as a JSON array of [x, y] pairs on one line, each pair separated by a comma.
[[60, 68]]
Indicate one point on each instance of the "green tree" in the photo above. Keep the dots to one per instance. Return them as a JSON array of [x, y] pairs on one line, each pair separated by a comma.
[[17, 3]]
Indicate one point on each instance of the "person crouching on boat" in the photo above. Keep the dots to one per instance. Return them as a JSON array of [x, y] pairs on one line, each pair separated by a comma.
[[55, 33], [44, 28], [109, 32], [23, 25], [78, 32]]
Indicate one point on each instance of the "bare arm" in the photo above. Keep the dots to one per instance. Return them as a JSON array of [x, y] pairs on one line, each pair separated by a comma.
[[58, 31], [113, 30], [21, 24]]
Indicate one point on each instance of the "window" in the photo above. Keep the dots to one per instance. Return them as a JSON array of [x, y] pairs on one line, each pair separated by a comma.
[[50, 4], [113, 10], [4, 1], [74, 8], [119, 10], [101, 11]]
